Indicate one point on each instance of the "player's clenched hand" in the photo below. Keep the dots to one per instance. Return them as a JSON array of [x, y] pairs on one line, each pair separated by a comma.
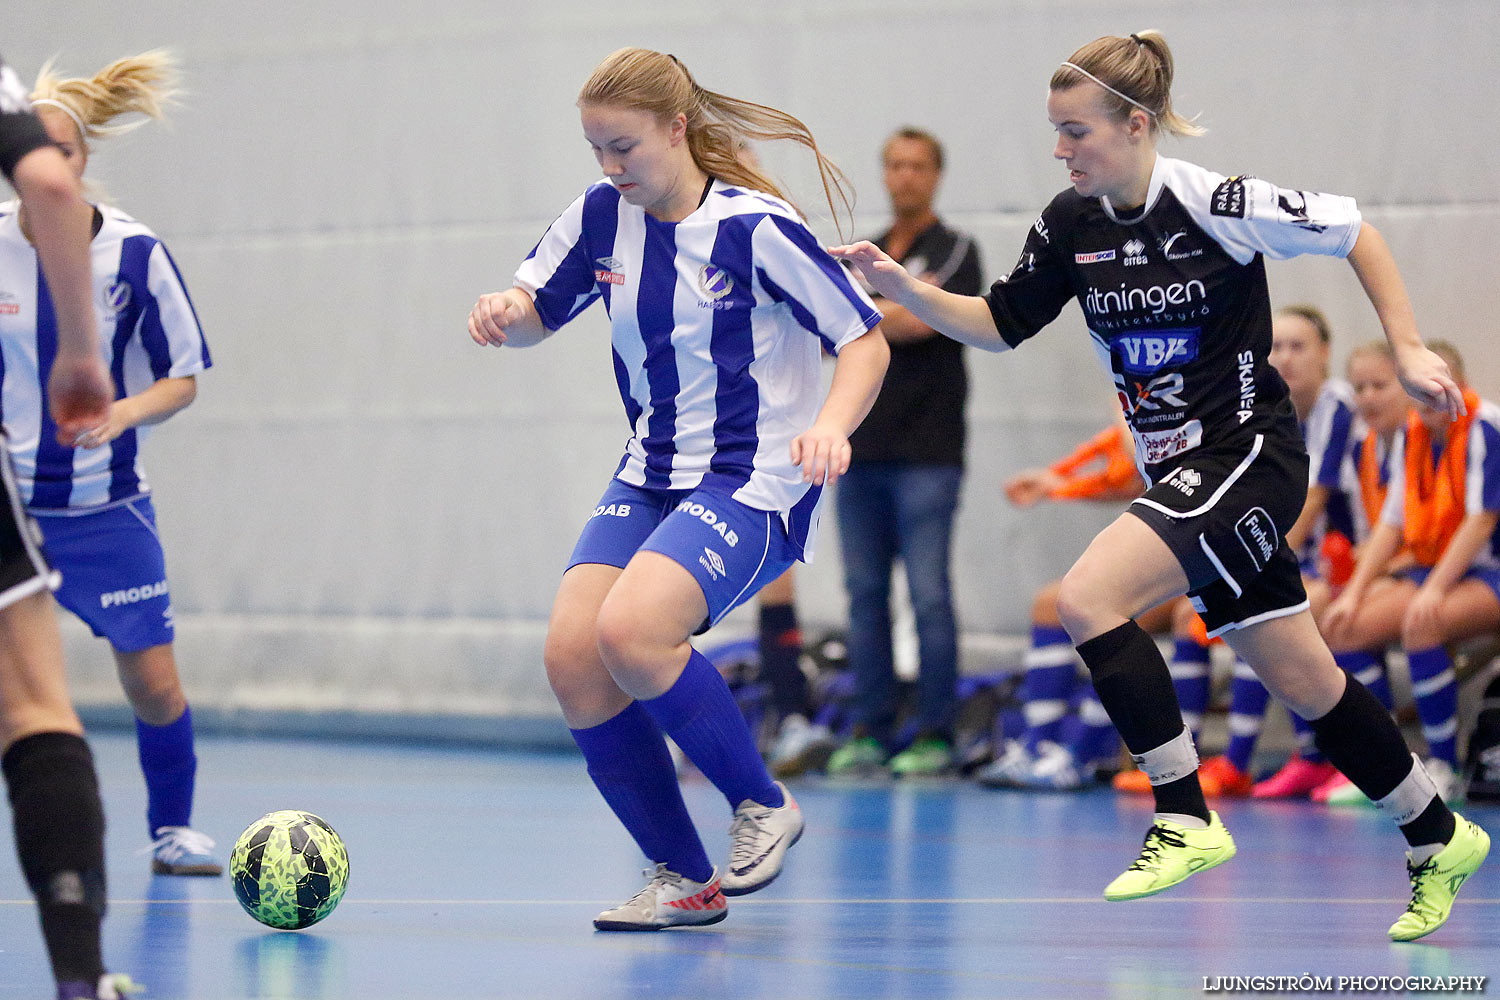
[[79, 394], [877, 269], [823, 452], [492, 314], [1426, 378]]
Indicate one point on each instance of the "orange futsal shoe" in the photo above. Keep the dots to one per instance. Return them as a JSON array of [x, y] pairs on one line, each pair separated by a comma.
[[1219, 777], [1132, 782]]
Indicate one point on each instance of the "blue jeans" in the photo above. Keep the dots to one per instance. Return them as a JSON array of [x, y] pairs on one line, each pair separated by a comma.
[[891, 510]]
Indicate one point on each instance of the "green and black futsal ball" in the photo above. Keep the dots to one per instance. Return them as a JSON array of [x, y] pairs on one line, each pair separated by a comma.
[[289, 869]]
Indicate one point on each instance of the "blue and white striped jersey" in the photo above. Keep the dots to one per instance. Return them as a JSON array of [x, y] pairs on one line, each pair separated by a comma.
[[719, 322], [1327, 432], [147, 331], [1481, 481]]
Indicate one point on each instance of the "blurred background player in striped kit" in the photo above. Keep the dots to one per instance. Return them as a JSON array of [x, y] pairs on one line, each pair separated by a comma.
[[49, 772], [1068, 734], [1301, 343], [899, 500], [1383, 408], [721, 303], [1442, 503], [91, 493]]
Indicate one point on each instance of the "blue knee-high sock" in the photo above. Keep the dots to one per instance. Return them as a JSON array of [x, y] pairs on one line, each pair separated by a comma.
[[1436, 692], [1089, 734], [629, 763], [700, 714], [1190, 676], [1247, 706], [1369, 669], [170, 766], [1051, 674]]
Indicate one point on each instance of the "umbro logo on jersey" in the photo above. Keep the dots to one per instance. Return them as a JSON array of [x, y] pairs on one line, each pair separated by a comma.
[[608, 272], [1097, 257], [117, 296], [713, 562]]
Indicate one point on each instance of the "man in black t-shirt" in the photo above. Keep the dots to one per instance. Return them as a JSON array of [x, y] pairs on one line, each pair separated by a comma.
[[49, 773], [899, 497]]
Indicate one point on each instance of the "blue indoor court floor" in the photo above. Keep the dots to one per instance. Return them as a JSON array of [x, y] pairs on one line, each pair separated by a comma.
[[475, 874]]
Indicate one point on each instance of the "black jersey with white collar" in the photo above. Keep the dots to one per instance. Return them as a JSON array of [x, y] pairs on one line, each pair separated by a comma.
[[1175, 299]]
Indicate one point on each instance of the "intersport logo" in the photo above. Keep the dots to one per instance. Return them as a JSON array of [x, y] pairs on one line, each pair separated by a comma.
[[1154, 298]]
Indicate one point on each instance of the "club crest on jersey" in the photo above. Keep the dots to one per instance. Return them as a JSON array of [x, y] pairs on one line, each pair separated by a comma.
[[1143, 353], [117, 296], [714, 281], [1097, 257], [608, 272]]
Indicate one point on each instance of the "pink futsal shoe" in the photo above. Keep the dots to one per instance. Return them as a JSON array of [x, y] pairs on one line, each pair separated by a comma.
[[669, 900], [1295, 780]]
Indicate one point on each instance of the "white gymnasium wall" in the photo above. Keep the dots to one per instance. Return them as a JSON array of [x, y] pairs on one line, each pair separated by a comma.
[[365, 511]]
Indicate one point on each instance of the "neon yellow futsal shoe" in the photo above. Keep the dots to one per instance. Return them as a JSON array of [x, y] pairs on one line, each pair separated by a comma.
[[1435, 882], [1170, 854]]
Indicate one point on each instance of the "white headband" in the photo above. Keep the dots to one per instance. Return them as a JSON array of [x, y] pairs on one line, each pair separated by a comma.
[[1123, 97], [83, 132]]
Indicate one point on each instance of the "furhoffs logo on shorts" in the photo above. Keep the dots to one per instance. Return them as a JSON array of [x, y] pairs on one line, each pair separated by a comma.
[[1258, 536]]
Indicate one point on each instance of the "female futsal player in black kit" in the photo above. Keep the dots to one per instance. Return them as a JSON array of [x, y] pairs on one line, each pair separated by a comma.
[[1167, 260]]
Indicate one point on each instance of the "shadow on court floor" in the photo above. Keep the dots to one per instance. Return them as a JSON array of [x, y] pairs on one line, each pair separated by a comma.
[[475, 874]]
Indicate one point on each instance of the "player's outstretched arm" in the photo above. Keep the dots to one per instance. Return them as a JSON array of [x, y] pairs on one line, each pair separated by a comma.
[[823, 449], [1423, 374], [507, 317], [965, 318]]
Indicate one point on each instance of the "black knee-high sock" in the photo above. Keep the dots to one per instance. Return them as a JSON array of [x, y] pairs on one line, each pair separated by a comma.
[[1135, 688], [1360, 738], [59, 825]]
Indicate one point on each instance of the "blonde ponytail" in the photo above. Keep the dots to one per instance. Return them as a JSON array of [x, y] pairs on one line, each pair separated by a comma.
[[717, 125], [142, 85]]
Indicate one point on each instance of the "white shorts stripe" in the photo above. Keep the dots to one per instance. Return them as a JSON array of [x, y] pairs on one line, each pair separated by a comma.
[[1218, 494]]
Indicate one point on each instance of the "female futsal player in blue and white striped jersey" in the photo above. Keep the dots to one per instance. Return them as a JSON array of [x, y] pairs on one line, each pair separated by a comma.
[[721, 304], [91, 494]]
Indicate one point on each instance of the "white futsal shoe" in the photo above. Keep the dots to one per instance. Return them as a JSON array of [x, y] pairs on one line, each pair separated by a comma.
[[669, 900], [758, 840]]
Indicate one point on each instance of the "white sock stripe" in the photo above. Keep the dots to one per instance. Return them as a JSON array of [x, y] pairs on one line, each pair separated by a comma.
[[1443, 731], [1243, 672], [1174, 759], [1421, 689], [1369, 675], [1186, 671], [1039, 713], [1056, 655], [1244, 725], [1093, 713], [1414, 794]]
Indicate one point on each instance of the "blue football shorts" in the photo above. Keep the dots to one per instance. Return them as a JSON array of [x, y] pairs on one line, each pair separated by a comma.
[[731, 550], [114, 575]]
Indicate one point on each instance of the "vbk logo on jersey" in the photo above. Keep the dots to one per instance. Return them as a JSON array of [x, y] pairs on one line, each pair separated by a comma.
[[608, 271], [1258, 536], [1142, 353], [117, 296], [1097, 257], [1135, 252], [715, 281]]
